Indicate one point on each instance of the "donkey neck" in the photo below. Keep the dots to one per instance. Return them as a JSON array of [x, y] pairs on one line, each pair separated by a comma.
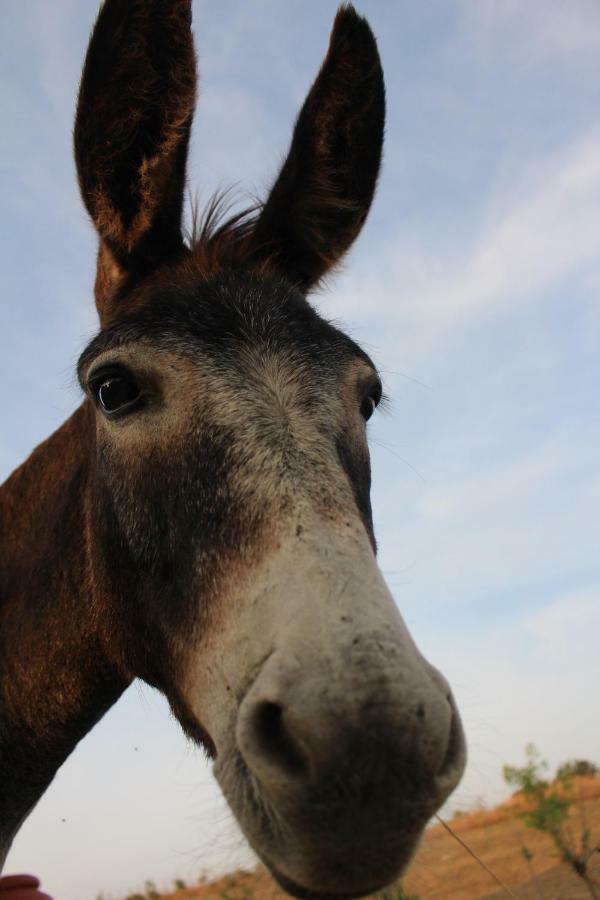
[[55, 678]]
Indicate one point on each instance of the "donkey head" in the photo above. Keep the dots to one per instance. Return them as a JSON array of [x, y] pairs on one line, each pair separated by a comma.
[[228, 522]]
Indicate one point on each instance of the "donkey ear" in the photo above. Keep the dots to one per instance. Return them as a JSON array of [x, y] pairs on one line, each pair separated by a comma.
[[323, 193], [134, 114]]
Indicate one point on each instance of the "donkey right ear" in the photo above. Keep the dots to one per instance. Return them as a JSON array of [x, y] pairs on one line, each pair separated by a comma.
[[135, 109], [322, 195]]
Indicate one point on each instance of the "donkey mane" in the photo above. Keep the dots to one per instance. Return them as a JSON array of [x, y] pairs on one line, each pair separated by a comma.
[[219, 237]]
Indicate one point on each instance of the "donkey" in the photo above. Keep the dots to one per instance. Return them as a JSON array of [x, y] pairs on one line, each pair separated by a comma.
[[202, 521]]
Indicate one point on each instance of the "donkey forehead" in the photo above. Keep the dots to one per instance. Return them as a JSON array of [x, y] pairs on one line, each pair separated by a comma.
[[225, 317]]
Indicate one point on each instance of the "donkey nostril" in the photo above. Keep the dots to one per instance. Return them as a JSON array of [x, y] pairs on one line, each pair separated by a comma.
[[274, 739], [267, 720]]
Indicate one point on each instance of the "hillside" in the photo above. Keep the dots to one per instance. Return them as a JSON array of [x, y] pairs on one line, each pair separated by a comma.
[[444, 870]]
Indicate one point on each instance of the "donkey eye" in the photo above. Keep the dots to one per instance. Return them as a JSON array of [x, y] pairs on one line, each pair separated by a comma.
[[370, 402], [367, 408], [115, 393]]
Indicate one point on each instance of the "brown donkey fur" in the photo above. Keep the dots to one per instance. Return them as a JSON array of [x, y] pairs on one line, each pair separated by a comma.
[[203, 521]]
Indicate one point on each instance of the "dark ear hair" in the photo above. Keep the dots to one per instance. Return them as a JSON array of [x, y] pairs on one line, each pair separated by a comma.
[[324, 190], [134, 114]]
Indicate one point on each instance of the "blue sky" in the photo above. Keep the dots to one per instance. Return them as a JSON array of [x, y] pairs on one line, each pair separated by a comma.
[[475, 286]]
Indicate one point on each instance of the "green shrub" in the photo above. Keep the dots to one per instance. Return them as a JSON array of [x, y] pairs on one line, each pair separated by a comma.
[[397, 892], [549, 806], [577, 768]]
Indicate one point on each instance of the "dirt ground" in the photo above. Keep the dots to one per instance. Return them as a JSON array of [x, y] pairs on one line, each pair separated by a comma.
[[444, 870], [558, 883]]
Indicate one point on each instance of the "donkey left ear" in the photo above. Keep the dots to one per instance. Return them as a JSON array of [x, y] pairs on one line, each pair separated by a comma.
[[323, 193], [134, 114]]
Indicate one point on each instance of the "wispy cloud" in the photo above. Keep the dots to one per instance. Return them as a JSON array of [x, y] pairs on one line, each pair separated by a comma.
[[573, 617], [506, 529], [535, 31], [544, 226]]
